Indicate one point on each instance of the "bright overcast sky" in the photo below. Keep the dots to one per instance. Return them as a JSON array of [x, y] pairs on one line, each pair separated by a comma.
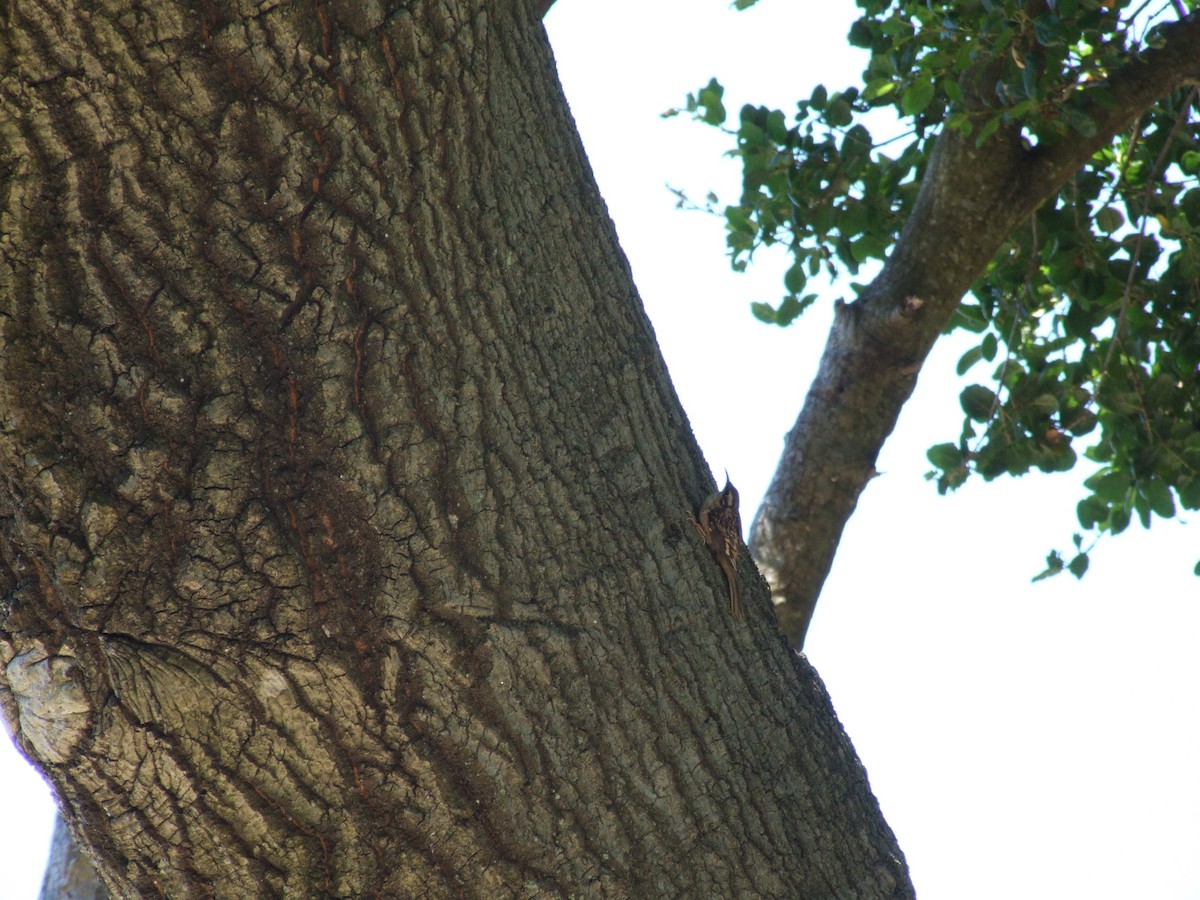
[[1024, 740]]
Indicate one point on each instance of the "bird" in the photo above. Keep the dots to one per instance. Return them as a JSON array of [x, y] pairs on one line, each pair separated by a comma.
[[719, 524]]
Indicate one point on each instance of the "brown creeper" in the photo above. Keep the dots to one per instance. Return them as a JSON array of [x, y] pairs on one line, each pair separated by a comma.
[[720, 525]]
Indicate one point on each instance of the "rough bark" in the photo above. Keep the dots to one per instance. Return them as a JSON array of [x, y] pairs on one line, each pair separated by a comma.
[[971, 198], [343, 493]]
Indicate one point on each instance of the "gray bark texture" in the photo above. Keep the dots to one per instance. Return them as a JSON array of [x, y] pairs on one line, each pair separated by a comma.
[[70, 875], [344, 541]]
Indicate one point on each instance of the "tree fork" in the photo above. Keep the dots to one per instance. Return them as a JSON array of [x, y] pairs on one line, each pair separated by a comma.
[[970, 200]]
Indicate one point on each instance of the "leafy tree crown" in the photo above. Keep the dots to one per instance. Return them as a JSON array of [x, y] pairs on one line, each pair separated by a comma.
[[1088, 313]]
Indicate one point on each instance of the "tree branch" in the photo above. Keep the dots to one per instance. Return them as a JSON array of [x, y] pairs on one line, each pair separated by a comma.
[[970, 200]]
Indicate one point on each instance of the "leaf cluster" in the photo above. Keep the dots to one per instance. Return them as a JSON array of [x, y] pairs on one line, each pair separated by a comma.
[[1087, 316], [819, 185]]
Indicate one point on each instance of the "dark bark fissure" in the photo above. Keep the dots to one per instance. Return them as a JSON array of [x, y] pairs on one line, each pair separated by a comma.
[[349, 555], [970, 201]]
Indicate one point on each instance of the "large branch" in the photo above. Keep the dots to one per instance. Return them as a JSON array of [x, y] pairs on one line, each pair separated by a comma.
[[970, 200]]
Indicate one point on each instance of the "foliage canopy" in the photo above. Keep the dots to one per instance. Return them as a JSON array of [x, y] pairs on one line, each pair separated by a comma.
[[1087, 315]]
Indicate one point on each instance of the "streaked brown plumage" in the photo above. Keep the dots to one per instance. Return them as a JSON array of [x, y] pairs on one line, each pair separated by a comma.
[[720, 526]]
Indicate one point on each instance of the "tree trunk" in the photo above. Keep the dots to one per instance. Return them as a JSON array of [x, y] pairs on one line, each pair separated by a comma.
[[69, 874], [345, 497]]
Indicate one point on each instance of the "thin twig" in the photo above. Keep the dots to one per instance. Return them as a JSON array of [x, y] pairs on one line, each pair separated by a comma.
[[1122, 316], [1035, 255], [1134, 136]]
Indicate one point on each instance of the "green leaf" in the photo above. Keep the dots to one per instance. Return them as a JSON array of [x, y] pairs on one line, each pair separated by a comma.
[[945, 456], [861, 34], [737, 221], [1189, 493], [959, 121], [1049, 30], [867, 247], [978, 402], [969, 316], [969, 359], [1044, 405], [1158, 495], [788, 310], [879, 88], [1141, 505], [820, 96], [854, 218], [1054, 565], [764, 312], [1080, 421], [1091, 511], [1109, 485], [709, 102], [1109, 219], [989, 346], [838, 113], [988, 130], [791, 307], [794, 278], [803, 303], [777, 126], [917, 97], [1029, 76], [1189, 205], [858, 140], [1078, 565], [714, 113], [750, 136]]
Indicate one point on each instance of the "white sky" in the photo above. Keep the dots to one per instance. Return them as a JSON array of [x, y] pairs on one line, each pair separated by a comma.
[[1033, 741]]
